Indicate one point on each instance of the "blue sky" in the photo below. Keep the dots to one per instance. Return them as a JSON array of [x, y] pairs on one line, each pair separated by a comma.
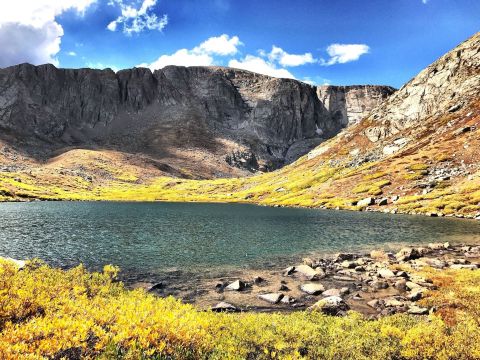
[[340, 42]]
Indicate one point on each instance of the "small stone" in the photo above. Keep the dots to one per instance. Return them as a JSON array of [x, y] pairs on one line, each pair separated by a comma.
[[378, 284], [375, 303], [258, 280], [283, 287], [379, 255], [332, 305], [417, 310], [224, 307], [392, 302], [406, 254], [344, 290], [401, 284], [289, 271], [155, 287], [359, 269], [331, 292], [272, 298], [339, 257], [415, 295], [464, 266], [287, 300], [436, 246], [411, 285], [383, 202], [237, 285], [386, 273], [366, 202], [308, 261], [349, 264], [309, 272], [312, 289]]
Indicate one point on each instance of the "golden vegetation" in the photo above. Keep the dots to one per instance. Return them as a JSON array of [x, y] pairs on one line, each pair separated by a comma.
[[51, 313]]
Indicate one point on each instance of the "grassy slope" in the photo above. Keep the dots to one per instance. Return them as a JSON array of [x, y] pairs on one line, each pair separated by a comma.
[[51, 313], [326, 180]]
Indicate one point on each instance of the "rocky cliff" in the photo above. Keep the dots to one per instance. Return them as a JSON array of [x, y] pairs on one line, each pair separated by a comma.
[[350, 104], [176, 114], [447, 85]]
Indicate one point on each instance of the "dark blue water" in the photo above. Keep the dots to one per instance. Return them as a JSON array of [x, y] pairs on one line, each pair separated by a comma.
[[152, 237]]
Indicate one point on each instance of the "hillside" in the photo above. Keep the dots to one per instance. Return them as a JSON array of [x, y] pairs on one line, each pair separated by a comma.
[[191, 122], [415, 153]]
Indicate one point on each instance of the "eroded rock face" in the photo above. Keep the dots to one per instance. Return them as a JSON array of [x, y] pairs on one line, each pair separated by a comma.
[[350, 104], [445, 86], [218, 110]]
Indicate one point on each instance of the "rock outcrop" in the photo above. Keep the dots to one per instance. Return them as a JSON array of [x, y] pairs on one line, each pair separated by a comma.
[[447, 85], [217, 111], [350, 104]]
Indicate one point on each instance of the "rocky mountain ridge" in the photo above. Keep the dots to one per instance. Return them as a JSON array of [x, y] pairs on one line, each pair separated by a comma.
[[213, 112]]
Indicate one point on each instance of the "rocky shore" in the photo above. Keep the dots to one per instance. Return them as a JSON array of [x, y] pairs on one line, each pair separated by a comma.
[[376, 284]]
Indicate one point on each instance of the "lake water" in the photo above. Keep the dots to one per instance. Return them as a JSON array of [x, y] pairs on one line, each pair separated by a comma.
[[150, 238]]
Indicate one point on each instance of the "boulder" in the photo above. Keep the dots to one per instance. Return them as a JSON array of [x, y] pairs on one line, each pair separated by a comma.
[[339, 257], [401, 284], [237, 285], [406, 254], [417, 310], [312, 288], [366, 202], [332, 305], [309, 272], [415, 295], [386, 273], [224, 307], [382, 202], [289, 271], [272, 298]]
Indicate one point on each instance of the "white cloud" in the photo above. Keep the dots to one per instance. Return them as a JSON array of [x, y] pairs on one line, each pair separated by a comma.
[[286, 59], [220, 45], [137, 20], [29, 32], [261, 66], [201, 55], [182, 57], [343, 53], [71, 53]]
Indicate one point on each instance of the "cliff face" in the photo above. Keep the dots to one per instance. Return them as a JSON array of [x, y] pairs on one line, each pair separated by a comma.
[[447, 85], [214, 111], [350, 104]]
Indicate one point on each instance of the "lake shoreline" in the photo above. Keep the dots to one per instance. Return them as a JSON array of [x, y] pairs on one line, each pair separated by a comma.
[[375, 284]]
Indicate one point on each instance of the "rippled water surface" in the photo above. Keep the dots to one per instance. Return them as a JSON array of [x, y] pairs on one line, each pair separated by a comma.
[[153, 237]]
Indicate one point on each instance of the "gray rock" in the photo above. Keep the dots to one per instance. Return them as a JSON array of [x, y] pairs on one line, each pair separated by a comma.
[[464, 266], [224, 307], [289, 271], [386, 273], [310, 273], [366, 202], [417, 310], [332, 305], [406, 254], [382, 202], [312, 288], [237, 285], [272, 298]]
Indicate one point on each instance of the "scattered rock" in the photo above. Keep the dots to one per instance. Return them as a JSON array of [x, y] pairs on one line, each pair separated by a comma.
[[375, 303], [417, 310], [272, 298], [237, 285], [339, 257], [378, 284], [258, 280], [332, 305], [386, 273], [382, 202], [20, 264], [401, 284], [366, 202], [289, 271], [224, 307], [415, 295], [312, 288], [406, 254], [309, 272], [283, 287], [464, 266]]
